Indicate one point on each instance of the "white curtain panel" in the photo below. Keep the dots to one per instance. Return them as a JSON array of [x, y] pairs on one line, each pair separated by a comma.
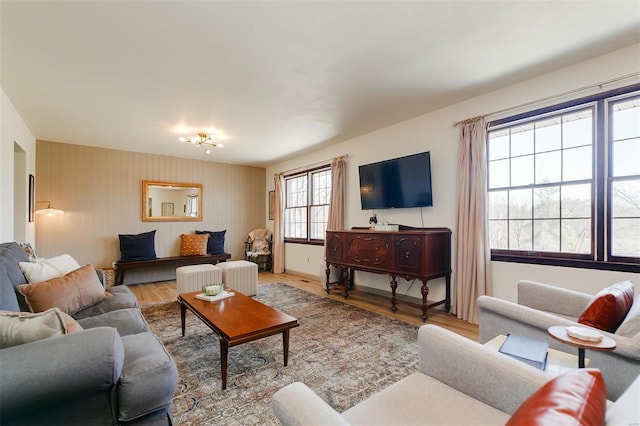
[[473, 257]]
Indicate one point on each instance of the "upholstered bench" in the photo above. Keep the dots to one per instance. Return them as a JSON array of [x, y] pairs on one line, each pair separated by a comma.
[[240, 275], [193, 277]]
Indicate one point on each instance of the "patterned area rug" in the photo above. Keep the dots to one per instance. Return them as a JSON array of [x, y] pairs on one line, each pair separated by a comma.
[[345, 354]]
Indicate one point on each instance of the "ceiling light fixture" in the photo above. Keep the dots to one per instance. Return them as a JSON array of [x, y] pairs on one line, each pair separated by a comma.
[[203, 140]]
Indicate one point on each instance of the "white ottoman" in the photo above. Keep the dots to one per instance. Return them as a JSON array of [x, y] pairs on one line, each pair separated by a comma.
[[241, 276], [193, 277]]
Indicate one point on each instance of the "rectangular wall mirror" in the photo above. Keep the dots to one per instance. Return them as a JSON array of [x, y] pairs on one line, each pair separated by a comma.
[[171, 201]]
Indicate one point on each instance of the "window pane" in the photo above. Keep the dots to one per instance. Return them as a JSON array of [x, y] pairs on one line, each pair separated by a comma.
[[498, 144], [626, 119], [577, 129], [522, 140], [321, 187], [546, 202], [625, 199], [548, 167], [576, 201], [576, 236], [546, 235], [520, 234], [497, 205], [520, 204], [576, 164], [499, 174], [625, 237], [296, 222], [522, 170], [498, 234], [297, 191], [548, 135], [319, 217], [626, 158]]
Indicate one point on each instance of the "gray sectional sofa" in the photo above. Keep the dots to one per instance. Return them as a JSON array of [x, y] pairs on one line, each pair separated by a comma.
[[112, 372]]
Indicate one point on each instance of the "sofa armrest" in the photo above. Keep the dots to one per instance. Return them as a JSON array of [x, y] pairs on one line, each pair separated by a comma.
[[297, 405], [553, 299], [100, 273], [476, 370], [51, 371]]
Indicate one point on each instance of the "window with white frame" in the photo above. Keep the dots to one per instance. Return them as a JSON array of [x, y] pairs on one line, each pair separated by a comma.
[[306, 209], [564, 183]]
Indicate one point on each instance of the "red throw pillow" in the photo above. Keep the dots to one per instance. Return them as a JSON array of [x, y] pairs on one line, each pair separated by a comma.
[[578, 397], [609, 307]]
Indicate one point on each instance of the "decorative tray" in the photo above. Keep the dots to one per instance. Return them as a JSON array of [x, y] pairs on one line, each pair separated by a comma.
[[223, 295], [583, 333]]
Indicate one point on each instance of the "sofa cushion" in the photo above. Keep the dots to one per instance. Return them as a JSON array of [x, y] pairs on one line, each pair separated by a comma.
[[147, 365], [578, 397], [418, 397], [215, 245], [630, 326], [17, 328], [193, 245], [126, 321], [121, 298], [45, 269], [137, 246], [8, 299], [11, 254], [609, 307], [70, 293]]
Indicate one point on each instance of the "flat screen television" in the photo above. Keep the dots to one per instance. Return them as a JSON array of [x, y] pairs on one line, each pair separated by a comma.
[[397, 183]]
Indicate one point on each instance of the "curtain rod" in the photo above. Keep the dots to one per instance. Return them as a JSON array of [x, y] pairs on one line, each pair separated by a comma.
[[569, 92], [310, 166]]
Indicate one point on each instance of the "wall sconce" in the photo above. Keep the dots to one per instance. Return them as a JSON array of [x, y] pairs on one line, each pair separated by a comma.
[[49, 211]]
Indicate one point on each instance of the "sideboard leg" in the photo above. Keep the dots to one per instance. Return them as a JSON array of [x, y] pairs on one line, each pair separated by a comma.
[[425, 292], [394, 285], [327, 285]]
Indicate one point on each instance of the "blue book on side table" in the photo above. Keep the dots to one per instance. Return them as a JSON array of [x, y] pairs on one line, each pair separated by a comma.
[[525, 349]]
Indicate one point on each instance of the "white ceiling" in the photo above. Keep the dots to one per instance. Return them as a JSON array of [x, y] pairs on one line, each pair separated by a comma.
[[277, 78]]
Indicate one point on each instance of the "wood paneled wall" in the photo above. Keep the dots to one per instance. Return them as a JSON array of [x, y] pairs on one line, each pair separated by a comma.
[[100, 191]]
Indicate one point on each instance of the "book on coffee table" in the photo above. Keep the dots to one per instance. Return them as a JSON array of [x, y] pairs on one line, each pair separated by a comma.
[[223, 295], [527, 350]]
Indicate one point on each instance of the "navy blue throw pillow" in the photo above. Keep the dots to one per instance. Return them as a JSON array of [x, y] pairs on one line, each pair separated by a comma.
[[138, 246], [215, 244]]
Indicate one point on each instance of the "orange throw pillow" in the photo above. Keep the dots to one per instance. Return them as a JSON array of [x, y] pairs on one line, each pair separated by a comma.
[[578, 397], [70, 293], [609, 307], [193, 245]]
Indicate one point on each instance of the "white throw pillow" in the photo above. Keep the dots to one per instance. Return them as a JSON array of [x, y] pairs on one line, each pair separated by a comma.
[[63, 264], [46, 269], [39, 271]]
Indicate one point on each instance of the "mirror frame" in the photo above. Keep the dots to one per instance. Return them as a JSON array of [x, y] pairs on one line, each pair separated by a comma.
[[145, 196]]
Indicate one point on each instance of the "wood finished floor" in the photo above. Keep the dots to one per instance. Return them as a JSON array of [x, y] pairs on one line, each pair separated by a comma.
[[165, 291]]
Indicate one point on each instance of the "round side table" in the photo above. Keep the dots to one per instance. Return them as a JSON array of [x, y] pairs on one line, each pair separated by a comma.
[[559, 333]]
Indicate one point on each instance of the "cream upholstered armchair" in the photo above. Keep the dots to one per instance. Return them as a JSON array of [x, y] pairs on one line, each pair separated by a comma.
[[541, 306], [258, 248]]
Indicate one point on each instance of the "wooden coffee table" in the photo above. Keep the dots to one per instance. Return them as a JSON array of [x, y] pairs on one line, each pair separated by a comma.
[[236, 320]]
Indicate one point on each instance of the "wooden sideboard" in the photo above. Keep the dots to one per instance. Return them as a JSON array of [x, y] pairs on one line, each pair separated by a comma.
[[411, 253]]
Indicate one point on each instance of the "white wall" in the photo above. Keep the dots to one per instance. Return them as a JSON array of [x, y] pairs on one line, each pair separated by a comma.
[[434, 132], [13, 131]]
